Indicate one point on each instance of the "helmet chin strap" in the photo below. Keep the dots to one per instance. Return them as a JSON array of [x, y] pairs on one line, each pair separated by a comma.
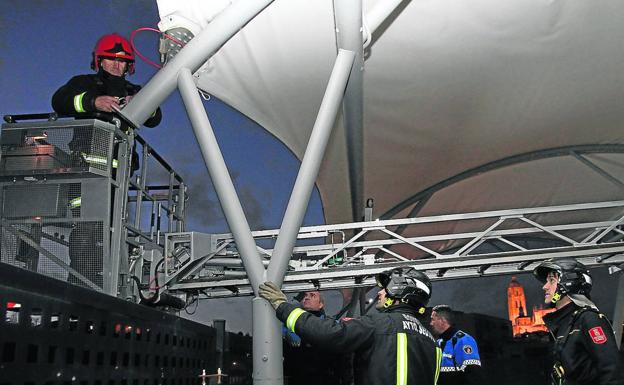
[[556, 297], [390, 301], [559, 293]]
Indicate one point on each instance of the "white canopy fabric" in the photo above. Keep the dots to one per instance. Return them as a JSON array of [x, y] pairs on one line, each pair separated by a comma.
[[449, 86]]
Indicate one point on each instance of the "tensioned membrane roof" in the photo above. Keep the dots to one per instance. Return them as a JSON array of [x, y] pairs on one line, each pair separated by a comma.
[[448, 86]]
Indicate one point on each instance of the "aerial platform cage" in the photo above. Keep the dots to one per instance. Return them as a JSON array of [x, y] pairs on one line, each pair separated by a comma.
[[77, 202]]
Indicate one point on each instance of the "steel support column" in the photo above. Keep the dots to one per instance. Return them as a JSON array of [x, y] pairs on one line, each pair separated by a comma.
[[267, 348], [268, 366], [192, 56], [300, 196], [348, 16]]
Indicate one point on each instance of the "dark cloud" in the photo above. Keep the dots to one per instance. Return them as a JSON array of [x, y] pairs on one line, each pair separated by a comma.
[[253, 208], [204, 209]]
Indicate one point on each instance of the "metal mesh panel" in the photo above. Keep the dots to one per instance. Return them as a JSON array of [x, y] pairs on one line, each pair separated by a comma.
[[35, 201], [58, 188], [86, 246], [37, 150], [54, 248], [90, 146], [74, 193], [42, 231], [54, 217]]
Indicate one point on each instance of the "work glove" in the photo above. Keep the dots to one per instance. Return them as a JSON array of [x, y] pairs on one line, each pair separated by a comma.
[[292, 339], [272, 293]]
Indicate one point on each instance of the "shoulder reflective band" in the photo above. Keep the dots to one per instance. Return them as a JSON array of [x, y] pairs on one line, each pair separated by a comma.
[[292, 318], [75, 203], [78, 102], [401, 359], [438, 364]]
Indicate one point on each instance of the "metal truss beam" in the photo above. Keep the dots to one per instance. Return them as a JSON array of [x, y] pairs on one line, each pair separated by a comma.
[[595, 241], [462, 267]]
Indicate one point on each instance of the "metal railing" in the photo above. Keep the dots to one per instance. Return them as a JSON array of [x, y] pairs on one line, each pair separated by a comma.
[[79, 205]]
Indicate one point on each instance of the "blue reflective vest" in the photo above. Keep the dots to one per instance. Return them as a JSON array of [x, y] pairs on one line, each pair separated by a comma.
[[459, 352]]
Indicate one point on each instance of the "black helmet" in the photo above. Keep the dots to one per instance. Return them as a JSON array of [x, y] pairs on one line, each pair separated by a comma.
[[406, 285], [574, 277]]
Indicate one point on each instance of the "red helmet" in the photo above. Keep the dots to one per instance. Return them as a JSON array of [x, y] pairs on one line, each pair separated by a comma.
[[113, 46]]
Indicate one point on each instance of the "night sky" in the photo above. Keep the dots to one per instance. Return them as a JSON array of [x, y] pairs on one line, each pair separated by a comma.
[[45, 43]]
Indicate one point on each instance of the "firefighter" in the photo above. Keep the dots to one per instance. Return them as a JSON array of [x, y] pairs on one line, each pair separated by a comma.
[[107, 89], [585, 351], [88, 96], [330, 369], [99, 94], [461, 363], [391, 346]]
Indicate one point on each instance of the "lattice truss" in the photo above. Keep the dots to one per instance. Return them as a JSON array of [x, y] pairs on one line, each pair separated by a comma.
[[444, 247]]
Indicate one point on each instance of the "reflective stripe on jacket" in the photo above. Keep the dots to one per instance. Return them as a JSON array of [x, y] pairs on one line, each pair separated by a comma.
[[391, 347]]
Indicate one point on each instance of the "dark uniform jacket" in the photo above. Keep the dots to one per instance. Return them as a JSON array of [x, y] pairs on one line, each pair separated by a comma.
[[461, 363], [77, 97], [306, 364], [584, 346], [391, 347]]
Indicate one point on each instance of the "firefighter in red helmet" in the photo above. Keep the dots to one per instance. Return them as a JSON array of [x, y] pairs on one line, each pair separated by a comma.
[[97, 96], [107, 89]]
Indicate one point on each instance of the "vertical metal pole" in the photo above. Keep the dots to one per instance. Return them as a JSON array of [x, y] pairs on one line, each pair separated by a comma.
[[219, 325], [348, 16], [170, 204], [268, 367], [300, 196], [618, 314], [119, 249], [267, 347], [140, 190], [181, 207], [192, 56]]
